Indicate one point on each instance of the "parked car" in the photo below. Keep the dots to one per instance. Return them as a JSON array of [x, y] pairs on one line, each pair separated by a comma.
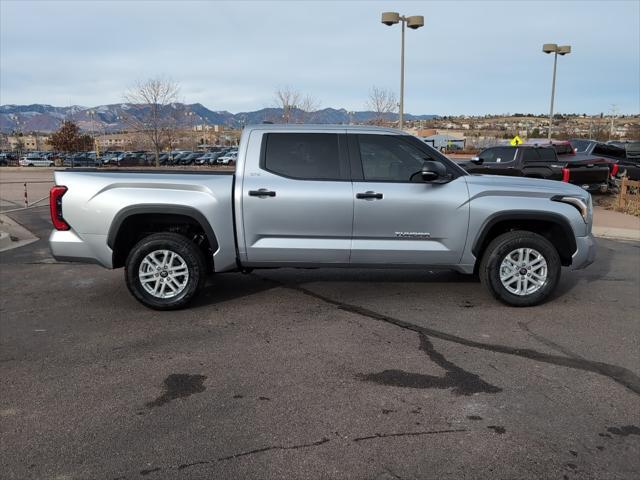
[[631, 147], [310, 196], [177, 159], [207, 159], [633, 152], [163, 158], [82, 159], [109, 157], [8, 158], [35, 159], [132, 159], [190, 158], [538, 162], [624, 165], [228, 158]]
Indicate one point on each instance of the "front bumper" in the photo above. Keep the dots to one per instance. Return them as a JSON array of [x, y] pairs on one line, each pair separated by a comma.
[[68, 246], [585, 253]]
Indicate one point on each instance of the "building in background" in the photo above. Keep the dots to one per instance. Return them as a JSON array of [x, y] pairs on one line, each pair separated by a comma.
[[30, 142], [446, 141]]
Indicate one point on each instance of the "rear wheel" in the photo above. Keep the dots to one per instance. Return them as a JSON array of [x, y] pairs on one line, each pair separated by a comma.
[[165, 271], [520, 268]]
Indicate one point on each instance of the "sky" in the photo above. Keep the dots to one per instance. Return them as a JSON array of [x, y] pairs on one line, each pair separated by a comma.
[[471, 57]]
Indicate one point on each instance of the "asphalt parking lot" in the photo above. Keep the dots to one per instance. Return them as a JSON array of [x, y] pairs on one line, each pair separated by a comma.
[[368, 374]]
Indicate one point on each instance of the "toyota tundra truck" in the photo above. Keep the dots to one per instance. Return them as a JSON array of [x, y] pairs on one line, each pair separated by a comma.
[[321, 196]]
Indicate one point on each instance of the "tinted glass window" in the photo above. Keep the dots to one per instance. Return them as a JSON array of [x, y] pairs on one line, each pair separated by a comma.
[[633, 149], [390, 158], [498, 155], [530, 155], [609, 151], [308, 156], [563, 148], [547, 154], [580, 145]]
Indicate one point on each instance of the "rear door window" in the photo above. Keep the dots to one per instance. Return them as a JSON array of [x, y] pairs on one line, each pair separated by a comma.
[[530, 155], [547, 154], [304, 156]]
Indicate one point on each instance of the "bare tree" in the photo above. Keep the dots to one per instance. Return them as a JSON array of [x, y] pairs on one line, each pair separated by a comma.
[[296, 107], [383, 102], [307, 109], [150, 99], [288, 100]]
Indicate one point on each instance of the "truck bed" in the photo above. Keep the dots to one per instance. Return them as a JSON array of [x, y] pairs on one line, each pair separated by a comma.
[[97, 199]]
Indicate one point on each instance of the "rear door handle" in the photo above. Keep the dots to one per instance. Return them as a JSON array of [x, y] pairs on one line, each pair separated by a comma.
[[263, 192], [369, 194]]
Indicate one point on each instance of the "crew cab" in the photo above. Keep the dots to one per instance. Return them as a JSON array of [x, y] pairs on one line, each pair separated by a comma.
[[321, 196], [536, 161]]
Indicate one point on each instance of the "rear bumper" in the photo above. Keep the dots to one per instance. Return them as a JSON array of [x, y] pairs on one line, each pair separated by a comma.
[[585, 253], [600, 187], [68, 246]]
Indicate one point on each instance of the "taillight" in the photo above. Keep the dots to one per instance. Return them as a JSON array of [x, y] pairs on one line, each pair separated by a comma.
[[565, 175], [55, 207], [614, 169]]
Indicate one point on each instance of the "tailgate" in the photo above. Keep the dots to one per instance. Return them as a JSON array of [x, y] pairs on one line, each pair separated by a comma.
[[588, 175]]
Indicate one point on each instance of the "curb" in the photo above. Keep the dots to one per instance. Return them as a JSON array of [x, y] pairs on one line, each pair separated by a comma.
[[617, 233], [14, 229], [5, 240]]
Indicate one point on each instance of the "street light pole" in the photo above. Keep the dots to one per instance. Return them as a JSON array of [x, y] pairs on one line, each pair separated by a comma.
[[553, 93], [414, 22], [556, 50]]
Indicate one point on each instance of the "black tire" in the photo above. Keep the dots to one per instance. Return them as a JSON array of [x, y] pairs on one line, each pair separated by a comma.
[[496, 252], [190, 253]]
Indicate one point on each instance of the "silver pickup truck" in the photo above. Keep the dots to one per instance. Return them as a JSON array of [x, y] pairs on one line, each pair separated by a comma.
[[321, 196]]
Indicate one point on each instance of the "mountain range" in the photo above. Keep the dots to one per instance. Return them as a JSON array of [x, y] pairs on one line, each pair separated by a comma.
[[111, 118]]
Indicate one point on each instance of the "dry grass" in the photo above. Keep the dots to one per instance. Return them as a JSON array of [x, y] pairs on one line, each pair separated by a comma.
[[610, 202]]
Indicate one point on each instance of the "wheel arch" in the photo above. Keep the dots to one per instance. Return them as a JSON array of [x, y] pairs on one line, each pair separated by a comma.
[[552, 226], [117, 238]]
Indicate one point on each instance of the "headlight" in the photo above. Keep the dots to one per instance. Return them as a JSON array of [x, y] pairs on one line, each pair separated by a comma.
[[581, 204]]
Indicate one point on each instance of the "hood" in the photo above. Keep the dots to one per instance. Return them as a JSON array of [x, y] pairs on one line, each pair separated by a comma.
[[522, 186]]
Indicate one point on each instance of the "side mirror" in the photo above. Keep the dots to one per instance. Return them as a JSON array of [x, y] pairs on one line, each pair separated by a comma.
[[477, 160], [433, 172]]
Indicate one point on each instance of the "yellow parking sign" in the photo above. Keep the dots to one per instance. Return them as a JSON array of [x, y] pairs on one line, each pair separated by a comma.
[[515, 141]]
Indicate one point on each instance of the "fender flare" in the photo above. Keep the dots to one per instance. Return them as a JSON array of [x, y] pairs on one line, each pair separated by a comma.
[[515, 215], [190, 212]]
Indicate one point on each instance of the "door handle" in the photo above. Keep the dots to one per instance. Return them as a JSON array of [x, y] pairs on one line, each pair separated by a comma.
[[263, 192], [369, 194]]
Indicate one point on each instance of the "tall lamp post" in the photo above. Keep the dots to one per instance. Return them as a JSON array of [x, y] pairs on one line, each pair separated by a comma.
[[414, 22], [556, 50]]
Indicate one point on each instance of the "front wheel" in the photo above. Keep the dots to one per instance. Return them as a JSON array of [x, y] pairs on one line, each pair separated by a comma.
[[520, 268], [165, 271]]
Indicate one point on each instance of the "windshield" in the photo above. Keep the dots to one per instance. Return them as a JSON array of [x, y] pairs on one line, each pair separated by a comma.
[[580, 145]]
